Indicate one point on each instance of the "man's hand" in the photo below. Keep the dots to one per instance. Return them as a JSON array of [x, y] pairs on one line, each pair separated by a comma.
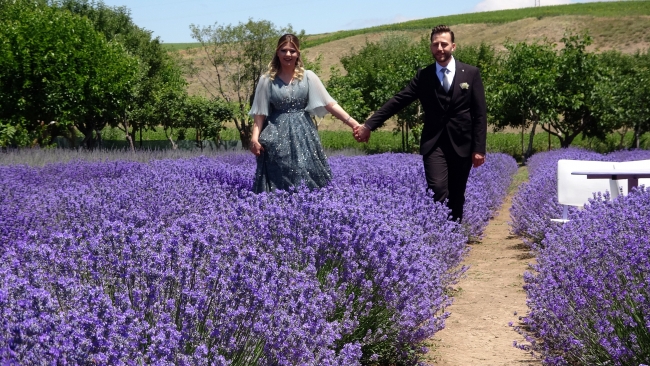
[[478, 159], [362, 133], [256, 148]]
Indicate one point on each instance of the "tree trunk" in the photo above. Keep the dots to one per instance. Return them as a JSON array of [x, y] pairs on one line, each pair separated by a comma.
[[245, 131], [621, 142], [98, 132], [401, 125], [169, 136], [529, 151], [637, 137], [125, 123], [198, 139], [88, 130], [523, 129], [408, 147]]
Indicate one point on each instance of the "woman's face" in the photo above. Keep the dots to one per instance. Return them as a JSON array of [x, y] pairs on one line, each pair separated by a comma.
[[288, 55]]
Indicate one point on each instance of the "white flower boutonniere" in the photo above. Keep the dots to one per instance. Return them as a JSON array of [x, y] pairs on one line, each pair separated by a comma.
[[464, 86]]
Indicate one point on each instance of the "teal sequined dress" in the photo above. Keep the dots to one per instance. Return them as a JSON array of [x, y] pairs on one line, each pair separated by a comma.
[[293, 154]]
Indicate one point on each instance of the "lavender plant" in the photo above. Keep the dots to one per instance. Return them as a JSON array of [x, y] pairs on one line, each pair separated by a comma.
[[588, 295], [177, 262], [535, 203]]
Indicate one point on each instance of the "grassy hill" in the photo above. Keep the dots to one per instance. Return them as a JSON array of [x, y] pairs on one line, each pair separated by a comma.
[[621, 25], [599, 9], [619, 9]]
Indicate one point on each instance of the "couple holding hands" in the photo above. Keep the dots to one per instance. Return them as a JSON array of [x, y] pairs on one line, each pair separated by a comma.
[[288, 148]]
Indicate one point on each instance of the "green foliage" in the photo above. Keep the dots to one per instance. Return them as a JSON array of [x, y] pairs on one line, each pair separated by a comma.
[[597, 9], [13, 134], [160, 83], [381, 69], [522, 89], [206, 117], [381, 141], [65, 72], [376, 73], [237, 55], [625, 103], [579, 89], [180, 46]]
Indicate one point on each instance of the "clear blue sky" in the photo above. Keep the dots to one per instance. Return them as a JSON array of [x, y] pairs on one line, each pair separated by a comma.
[[170, 19]]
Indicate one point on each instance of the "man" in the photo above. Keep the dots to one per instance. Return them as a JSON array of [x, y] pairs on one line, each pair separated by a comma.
[[455, 123]]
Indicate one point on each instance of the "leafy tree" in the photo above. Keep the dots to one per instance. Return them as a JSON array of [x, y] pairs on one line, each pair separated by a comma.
[[381, 69], [236, 56], [375, 74], [206, 116], [579, 87], [156, 65], [168, 103], [625, 103], [64, 75], [522, 91]]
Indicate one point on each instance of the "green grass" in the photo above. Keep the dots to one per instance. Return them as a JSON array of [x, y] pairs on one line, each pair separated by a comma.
[[180, 46], [597, 9], [600, 9], [520, 177], [384, 141]]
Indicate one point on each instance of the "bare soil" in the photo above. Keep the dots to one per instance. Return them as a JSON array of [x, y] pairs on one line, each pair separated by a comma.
[[624, 34], [488, 297]]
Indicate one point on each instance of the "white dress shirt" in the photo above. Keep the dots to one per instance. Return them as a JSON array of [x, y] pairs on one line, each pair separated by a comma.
[[451, 71]]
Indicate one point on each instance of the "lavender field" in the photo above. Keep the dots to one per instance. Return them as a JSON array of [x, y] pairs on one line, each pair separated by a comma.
[[588, 293], [175, 261]]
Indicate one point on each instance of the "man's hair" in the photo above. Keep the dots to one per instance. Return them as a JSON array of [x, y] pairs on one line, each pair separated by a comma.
[[442, 29]]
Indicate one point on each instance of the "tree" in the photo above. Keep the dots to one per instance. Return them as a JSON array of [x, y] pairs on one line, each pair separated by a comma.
[[236, 56], [522, 91], [579, 89], [64, 75], [625, 103], [167, 107], [206, 116], [158, 70], [381, 69], [375, 74]]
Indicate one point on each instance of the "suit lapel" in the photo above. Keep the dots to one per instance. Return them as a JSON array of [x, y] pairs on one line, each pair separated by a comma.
[[459, 78]]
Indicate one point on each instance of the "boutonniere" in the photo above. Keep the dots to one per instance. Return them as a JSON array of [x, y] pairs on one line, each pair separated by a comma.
[[464, 86]]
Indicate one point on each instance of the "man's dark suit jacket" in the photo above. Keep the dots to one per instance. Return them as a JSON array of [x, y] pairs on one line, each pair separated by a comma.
[[464, 119]]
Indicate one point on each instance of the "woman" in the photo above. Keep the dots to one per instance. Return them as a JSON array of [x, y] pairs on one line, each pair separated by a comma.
[[285, 139]]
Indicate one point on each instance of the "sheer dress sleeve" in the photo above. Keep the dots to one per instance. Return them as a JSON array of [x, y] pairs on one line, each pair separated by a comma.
[[261, 101], [318, 95]]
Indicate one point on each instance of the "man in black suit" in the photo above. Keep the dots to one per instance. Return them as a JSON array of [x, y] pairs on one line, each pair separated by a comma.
[[455, 122]]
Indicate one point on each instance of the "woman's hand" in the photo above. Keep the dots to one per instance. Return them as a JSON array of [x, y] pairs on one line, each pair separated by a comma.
[[256, 148]]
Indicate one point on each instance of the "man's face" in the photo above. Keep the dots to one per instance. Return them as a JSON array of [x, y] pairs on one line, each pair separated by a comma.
[[442, 47]]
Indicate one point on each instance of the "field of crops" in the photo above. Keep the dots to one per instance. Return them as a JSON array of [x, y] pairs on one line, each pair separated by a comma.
[[588, 291], [175, 261]]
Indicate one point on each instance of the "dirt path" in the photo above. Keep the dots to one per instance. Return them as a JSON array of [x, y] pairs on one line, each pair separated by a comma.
[[487, 298]]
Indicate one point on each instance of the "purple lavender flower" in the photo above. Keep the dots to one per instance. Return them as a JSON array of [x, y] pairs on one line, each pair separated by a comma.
[[177, 262]]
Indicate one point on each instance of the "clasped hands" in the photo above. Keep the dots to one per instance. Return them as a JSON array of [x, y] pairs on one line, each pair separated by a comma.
[[361, 133]]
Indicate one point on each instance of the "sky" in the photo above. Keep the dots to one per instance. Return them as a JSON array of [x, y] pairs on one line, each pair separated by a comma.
[[170, 19]]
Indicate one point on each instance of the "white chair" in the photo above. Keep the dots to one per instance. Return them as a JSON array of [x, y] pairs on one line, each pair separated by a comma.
[[576, 190], [631, 166]]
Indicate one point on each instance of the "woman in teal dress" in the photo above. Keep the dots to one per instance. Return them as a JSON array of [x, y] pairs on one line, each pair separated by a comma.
[[284, 139]]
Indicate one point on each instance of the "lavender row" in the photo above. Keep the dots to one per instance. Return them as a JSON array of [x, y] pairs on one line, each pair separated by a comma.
[[535, 203], [177, 262], [589, 295]]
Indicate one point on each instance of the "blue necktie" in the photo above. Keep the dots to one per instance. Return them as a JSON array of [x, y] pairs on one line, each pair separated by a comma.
[[445, 81]]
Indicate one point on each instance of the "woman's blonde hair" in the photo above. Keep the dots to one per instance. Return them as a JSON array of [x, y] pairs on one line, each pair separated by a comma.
[[274, 65]]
